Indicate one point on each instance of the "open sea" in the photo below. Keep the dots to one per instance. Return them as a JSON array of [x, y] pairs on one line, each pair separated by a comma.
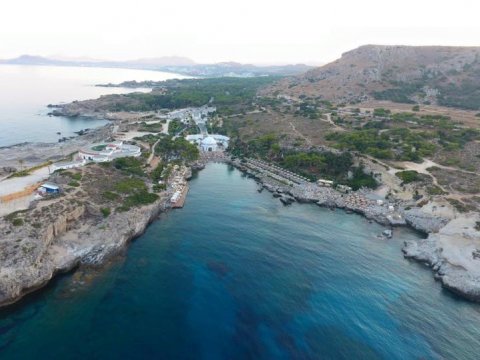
[[237, 275], [25, 92]]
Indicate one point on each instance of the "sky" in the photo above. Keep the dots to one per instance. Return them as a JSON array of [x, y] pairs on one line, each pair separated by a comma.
[[248, 31]]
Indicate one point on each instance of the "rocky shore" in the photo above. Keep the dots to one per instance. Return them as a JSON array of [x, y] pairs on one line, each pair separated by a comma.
[[66, 233], [451, 246]]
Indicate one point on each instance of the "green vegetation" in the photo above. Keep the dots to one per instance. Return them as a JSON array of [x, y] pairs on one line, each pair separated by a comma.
[[399, 144], [156, 174], [73, 176], [148, 138], [20, 173], [408, 176], [308, 109], [175, 126], [465, 95], [154, 127], [435, 190], [314, 164], [105, 212], [381, 112], [109, 195], [228, 94], [360, 179], [129, 165], [401, 93], [15, 214], [131, 185], [310, 164], [477, 225], [460, 206], [159, 187], [135, 192], [416, 108], [178, 149], [17, 222], [99, 147], [25, 172], [140, 198], [74, 183]]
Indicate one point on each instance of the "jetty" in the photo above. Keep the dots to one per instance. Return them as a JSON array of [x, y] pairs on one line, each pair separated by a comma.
[[178, 198]]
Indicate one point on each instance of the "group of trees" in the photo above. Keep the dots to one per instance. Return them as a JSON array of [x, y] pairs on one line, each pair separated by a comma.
[[176, 149], [398, 144], [312, 164], [225, 93]]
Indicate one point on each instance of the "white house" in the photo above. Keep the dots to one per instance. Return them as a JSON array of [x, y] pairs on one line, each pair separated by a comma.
[[108, 151]]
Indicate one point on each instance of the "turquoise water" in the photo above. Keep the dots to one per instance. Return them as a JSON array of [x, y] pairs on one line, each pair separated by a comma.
[[236, 275], [25, 92]]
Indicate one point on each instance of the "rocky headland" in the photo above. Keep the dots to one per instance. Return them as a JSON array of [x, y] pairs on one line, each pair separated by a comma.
[[80, 227]]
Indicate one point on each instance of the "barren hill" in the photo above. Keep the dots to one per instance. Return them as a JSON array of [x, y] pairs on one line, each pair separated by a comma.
[[447, 76]]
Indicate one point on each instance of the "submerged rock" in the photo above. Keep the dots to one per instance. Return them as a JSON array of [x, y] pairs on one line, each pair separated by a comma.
[[387, 233]]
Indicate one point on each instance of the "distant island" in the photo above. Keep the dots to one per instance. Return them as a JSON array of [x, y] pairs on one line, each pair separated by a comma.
[[174, 64]]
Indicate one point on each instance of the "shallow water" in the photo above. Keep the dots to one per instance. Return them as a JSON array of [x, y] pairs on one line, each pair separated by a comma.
[[25, 92], [236, 275]]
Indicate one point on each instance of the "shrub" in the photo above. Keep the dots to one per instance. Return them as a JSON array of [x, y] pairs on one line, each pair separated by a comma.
[[105, 212], [76, 176], [434, 190], [74, 183], [129, 186], [408, 176], [140, 198], [129, 165], [17, 222], [460, 206], [109, 195]]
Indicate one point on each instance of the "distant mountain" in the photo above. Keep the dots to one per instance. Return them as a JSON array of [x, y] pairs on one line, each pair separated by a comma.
[[30, 60], [176, 64], [447, 76]]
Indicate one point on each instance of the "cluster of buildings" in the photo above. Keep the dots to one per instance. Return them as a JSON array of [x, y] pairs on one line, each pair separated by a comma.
[[100, 152], [198, 114], [329, 183]]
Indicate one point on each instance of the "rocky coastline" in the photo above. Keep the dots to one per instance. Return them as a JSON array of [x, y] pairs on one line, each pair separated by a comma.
[[79, 236], [449, 247], [71, 234]]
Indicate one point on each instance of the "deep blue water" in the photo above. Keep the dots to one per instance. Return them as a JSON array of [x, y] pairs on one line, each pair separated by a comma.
[[236, 275]]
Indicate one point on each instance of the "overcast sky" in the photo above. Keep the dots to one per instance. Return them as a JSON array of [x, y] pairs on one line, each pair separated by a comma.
[[253, 31]]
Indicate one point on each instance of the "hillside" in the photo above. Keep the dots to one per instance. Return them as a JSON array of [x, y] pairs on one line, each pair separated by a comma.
[[448, 76]]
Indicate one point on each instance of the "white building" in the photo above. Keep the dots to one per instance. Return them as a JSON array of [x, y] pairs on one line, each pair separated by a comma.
[[213, 142], [209, 144], [108, 151]]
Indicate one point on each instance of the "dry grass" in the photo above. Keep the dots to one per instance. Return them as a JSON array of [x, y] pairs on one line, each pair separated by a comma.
[[465, 117]]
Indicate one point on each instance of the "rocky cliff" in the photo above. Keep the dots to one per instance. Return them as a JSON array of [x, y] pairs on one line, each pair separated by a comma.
[[62, 238], [93, 218]]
